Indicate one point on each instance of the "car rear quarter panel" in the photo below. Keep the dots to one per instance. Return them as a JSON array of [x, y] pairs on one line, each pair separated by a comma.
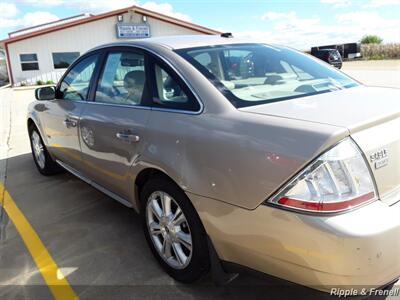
[[235, 157]]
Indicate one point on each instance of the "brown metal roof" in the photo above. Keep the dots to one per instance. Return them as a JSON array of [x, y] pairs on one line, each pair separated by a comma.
[[48, 23]]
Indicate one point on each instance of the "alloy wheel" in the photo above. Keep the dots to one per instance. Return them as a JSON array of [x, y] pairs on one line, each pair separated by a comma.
[[38, 149], [169, 230]]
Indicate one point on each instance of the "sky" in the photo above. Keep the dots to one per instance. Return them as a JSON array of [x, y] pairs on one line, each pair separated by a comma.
[[300, 24]]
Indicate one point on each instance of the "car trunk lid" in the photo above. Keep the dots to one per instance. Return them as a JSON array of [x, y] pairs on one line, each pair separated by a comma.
[[372, 116]]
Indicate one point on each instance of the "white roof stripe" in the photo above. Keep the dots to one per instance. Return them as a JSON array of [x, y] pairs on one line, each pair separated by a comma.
[[48, 25]]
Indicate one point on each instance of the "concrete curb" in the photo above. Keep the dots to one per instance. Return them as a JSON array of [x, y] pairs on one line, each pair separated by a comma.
[[30, 87], [5, 86], [5, 130]]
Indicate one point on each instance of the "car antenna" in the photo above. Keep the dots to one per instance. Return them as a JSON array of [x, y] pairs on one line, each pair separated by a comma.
[[227, 35]]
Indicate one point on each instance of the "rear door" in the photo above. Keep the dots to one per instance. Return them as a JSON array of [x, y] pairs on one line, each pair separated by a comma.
[[61, 115], [113, 125]]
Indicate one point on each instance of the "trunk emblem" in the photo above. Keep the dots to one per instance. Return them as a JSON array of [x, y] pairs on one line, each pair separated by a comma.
[[379, 158]]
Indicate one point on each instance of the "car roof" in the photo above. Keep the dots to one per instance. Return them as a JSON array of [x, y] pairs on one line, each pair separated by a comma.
[[184, 41]]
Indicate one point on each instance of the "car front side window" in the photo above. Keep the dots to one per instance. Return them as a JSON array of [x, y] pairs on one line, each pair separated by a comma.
[[75, 85], [123, 80]]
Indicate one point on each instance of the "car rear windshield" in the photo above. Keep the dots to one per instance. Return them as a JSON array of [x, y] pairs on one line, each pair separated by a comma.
[[252, 74]]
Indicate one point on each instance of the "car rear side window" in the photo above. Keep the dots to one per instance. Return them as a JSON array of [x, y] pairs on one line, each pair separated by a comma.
[[170, 92], [75, 85], [123, 80]]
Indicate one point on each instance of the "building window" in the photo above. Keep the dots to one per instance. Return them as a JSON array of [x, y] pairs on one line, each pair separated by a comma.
[[29, 62], [63, 60]]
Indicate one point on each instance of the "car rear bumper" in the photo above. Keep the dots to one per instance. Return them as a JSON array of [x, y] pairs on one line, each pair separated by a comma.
[[357, 249]]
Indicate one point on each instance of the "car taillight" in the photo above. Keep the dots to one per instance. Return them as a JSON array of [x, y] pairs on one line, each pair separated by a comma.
[[336, 181]]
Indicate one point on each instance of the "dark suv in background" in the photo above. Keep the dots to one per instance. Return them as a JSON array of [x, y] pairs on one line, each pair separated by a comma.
[[331, 56]]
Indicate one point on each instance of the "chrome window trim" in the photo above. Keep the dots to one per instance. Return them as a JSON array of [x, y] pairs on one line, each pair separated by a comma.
[[196, 96], [179, 111], [186, 112], [119, 105]]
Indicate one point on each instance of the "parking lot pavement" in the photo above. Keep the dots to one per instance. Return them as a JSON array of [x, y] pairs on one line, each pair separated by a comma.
[[374, 72], [96, 243]]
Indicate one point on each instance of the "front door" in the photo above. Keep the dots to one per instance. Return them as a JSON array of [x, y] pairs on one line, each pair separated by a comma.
[[61, 115], [113, 126]]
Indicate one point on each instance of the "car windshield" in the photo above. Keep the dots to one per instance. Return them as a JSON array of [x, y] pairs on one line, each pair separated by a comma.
[[251, 74]]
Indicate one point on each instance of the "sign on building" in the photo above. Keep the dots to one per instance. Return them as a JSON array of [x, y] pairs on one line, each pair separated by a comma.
[[133, 31]]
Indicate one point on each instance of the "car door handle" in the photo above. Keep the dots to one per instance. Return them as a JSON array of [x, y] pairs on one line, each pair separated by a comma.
[[69, 123], [127, 137]]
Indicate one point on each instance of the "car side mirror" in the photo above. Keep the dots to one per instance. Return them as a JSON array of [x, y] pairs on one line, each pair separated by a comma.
[[45, 93]]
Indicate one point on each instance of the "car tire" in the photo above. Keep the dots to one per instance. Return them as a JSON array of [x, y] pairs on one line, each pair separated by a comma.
[[43, 161], [186, 263]]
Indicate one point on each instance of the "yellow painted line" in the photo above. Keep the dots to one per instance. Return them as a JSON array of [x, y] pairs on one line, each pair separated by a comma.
[[58, 285]]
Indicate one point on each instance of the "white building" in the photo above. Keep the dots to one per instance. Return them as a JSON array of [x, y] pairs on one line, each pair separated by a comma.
[[45, 51]]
